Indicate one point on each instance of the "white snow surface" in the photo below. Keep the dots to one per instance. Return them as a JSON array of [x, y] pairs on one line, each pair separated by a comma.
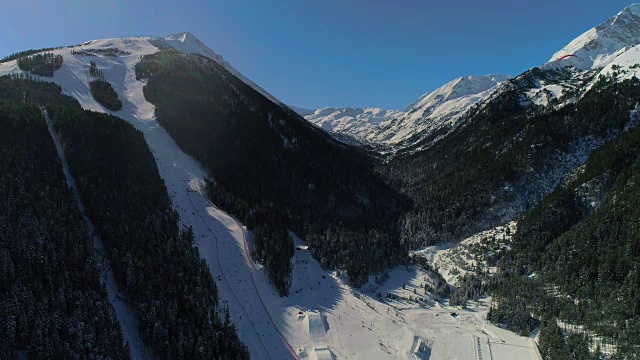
[[599, 46], [357, 122], [218, 237], [341, 322], [440, 108], [431, 112], [453, 261]]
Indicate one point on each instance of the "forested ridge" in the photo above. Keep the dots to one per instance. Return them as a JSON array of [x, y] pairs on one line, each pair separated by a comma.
[[576, 256], [52, 304], [152, 258], [573, 268], [502, 161], [48, 248], [264, 158], [21, 54]]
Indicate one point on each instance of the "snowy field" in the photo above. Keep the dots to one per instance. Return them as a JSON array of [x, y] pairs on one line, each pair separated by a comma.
[[323, 318]]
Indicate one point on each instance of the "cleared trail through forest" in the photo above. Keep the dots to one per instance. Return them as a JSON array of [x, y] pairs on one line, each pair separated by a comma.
[[126, 315]]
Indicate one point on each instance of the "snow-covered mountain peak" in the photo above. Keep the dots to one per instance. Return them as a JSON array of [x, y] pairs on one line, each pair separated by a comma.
[[457, 88], [598, 46], [430, 113]]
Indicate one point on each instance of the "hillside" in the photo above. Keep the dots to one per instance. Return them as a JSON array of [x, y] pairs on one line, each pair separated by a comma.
[[284, 171], [52, 301], [163, 290], [574, 259], [227, 225], [224, 246], [514, 148]]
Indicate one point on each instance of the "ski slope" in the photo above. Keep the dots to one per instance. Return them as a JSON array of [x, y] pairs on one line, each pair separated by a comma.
[[218, 237], [323, 318]]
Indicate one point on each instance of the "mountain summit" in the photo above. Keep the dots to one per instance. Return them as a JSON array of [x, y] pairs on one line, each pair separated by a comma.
[[598, 46], [433, 111]]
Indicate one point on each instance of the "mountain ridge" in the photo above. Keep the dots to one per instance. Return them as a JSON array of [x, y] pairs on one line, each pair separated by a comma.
[[436, 113], [428, 114]]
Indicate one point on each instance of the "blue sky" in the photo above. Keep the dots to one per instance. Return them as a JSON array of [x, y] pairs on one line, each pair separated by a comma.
[[333, 52]]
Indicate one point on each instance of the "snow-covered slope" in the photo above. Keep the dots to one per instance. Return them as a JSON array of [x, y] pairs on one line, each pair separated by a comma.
[[433, 111], [323, 318], [598, 46], [360, 123], [441, 108], [218, 237], [607, 48]]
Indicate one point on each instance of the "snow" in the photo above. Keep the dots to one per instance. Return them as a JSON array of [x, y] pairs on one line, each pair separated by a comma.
[[544, 93], [627, 64], [599, 46], [441, 108], [351, 323], [127, 316], [612, 43], [337, 321], [431, 112], [454, 260], [357, 122], [218, 236]]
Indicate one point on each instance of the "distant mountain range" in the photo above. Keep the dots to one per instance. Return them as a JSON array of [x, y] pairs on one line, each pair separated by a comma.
[[436, 113]]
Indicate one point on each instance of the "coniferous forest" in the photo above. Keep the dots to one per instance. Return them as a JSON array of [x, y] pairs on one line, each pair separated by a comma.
[[103, 92], [41, 64], [21, 54], [576, 257], [101, 89], [152, 258], [499, 162], [571, 270], [52, 304], [265, 158], [48, 270]]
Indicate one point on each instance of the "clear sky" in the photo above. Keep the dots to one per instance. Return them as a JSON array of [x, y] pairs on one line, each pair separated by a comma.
[[317, 53]]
